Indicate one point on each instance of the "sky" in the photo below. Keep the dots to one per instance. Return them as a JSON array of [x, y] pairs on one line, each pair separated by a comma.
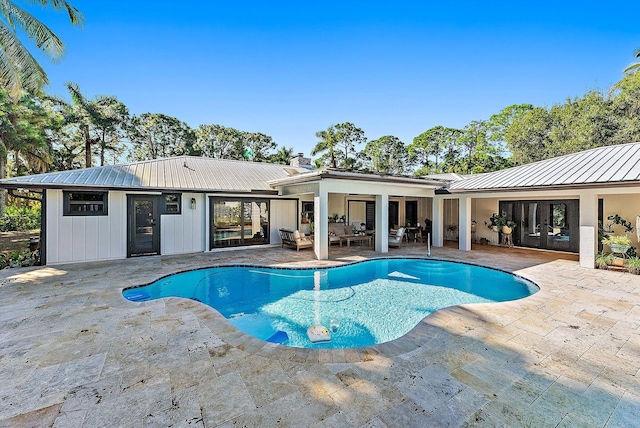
[[290, 69]]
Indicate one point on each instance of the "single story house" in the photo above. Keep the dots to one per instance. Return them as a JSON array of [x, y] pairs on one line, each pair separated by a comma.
[[195, 204], [191, 204]]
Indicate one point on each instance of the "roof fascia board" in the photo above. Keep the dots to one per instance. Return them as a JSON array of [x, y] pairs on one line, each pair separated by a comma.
[[609, 188]]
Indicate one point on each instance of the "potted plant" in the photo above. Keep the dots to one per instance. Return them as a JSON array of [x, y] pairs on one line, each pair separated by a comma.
[[508, 226], [618, 243], [633, 265], [495, 222], [304, 218], [603, 260]]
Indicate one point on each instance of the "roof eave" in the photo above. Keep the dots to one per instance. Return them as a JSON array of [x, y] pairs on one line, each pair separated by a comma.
[[543, 188]]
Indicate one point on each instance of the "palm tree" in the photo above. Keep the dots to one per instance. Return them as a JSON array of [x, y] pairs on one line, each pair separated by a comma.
[[328, 142], [19, 70], [635, 66], [282, 156], [100, 121]]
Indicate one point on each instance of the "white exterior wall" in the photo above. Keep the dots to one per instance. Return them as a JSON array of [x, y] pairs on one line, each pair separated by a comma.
[[185, 232], [80, 238], [284, 214]]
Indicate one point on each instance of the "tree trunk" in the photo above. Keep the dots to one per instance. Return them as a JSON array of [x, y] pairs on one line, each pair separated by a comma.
[[3, 192]]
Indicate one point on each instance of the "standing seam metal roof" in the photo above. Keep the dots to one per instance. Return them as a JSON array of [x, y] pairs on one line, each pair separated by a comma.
[[183, 173], [608, 164]]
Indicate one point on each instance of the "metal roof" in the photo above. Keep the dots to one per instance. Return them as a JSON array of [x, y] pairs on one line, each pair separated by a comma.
[[343, 174], [599, 166], [445, 177], [179, 173]]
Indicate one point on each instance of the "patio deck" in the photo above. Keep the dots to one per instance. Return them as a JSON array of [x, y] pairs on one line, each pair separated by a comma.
[[74, 352]]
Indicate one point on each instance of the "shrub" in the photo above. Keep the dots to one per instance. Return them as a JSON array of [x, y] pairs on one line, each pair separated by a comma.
[[20, 219], [603, 260], [633, 265]]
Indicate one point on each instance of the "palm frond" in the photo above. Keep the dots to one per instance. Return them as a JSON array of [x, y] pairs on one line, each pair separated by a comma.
[[18, 68], [75, 16], [635, 66], [45, 39]]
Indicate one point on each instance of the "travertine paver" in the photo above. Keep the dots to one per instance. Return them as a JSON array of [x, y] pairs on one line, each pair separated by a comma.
[[74, 352]]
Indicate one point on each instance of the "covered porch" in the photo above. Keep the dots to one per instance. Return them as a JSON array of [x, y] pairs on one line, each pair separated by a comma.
[[567, 221], [352, 199]]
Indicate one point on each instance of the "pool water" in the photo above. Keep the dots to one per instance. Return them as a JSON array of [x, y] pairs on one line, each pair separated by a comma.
[[361, 304]]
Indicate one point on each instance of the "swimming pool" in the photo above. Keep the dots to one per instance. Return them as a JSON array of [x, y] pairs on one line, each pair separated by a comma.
[[360, 304]]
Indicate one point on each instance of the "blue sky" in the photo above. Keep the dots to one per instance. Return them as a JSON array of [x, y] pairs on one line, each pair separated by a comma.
[[289, 69]]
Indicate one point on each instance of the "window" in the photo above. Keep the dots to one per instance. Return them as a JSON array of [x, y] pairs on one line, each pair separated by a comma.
[[172, 203], [307, 208], [238, 222], [85, 203]]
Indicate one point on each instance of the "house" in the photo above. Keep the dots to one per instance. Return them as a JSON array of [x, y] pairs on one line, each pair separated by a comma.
[[191, 204], [194, 204], [557, 204]]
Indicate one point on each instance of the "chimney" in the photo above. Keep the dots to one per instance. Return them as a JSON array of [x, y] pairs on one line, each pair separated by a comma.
[[299, 161]]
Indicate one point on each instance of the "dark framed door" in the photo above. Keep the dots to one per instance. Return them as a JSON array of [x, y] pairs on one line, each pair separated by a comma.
[[411, 213], [393, 214], [549, 225], [238, 222], [143, 225]]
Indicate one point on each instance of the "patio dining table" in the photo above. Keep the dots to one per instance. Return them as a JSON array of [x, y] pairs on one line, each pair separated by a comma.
[[355, 238]]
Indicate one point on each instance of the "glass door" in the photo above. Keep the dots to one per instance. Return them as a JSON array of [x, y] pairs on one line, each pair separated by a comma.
[[255, 223], [226, 224], [551, 225], [530, 225], [558, 227], [143, 226], [238, 222]]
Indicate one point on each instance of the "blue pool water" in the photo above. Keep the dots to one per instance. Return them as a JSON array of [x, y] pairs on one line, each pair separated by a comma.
[[367, 303]]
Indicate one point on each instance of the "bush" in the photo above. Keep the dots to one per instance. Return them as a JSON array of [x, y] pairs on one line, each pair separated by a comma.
[[20, 219], [633, 265], [603, 260]]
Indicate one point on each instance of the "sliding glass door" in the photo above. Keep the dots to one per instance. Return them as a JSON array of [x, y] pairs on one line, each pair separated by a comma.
[[238, 222], [549, 225]]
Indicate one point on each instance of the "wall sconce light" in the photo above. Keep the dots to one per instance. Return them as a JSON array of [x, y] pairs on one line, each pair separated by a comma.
[[193, 203]]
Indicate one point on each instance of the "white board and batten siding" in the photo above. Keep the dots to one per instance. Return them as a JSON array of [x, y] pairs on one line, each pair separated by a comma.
[[92, 238], [284, 214], [185, 232], [86, 238]]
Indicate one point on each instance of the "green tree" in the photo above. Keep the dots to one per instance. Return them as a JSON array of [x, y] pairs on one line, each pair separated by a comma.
[[529, 137], [217, 141], [257, 146], [431, 145], [18, 68], [23, 137], [499, 123], [348, 136], [328, 143], [282, 156], [625, 107], [154, 136], [582, 123], [100, 123], [386, 155]]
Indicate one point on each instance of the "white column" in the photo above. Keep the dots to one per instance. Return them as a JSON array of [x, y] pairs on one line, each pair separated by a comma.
[[321, 223], [382, 223], [588, 228], [464, 208], [438, 219]]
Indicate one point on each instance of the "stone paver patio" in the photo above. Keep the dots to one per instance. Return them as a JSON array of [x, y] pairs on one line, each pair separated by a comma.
[[74, 352]]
